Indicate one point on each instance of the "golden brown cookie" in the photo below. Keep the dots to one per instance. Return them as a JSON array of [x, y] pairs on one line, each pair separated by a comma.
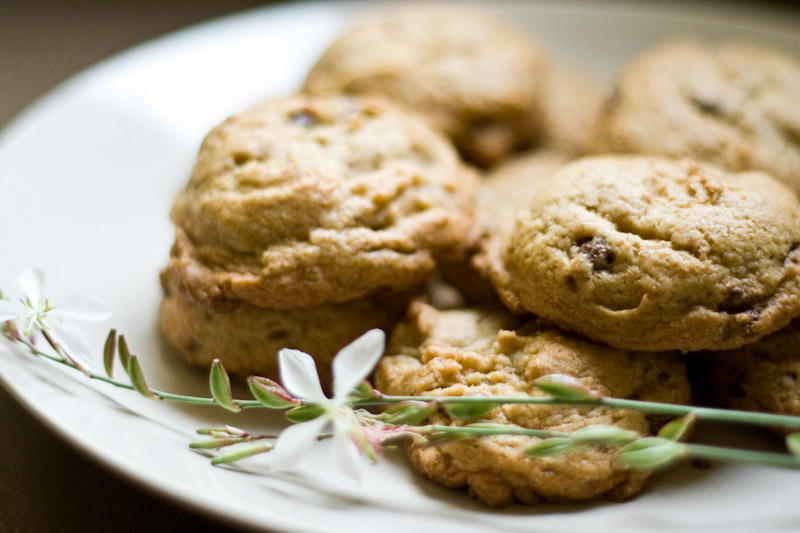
[[510, 186], [762, 376], [475, 77], [731, 104], [310, 200], [653, 254], [247, 338], [505, 189], [483, 352]]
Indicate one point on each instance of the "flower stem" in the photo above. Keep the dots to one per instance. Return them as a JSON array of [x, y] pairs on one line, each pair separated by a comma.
[[704, 413], [701, 413], [477, 431], [198, 400], [704, 451], [699, 451]]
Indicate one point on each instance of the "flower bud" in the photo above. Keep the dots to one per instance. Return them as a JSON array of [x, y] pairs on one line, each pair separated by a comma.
[[565, 387]]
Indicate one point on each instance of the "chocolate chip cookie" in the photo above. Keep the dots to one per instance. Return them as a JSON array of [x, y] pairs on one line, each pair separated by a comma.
[[654, 254], [492, 353], [247, 338], [309, 200], [732, 104], [475, 77]]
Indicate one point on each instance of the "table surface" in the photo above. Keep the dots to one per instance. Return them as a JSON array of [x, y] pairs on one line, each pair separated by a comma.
[[46, 485]]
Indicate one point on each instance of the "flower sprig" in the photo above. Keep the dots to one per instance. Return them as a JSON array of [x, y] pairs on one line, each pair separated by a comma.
[[348, 417]]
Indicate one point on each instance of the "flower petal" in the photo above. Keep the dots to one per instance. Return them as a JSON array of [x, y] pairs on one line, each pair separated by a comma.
[[294, 443], [32, 284], [355, 361], [345, 453], [74, 342], [299, 375], [9, 310], [84, 307]]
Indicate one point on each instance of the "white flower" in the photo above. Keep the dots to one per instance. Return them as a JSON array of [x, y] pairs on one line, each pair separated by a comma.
[[299, 375], [35, 313]]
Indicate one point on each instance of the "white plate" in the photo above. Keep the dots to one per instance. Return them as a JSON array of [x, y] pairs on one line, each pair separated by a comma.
[[88, 177]]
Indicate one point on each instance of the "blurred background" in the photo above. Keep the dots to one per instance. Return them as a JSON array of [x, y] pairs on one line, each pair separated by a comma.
[[44, 484]]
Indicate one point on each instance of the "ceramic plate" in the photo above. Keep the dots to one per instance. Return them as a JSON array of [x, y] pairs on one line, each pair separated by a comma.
[[88, 177]]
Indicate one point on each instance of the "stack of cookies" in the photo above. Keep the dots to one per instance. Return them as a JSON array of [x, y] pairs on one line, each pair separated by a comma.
[[435, 145], [306, 222]]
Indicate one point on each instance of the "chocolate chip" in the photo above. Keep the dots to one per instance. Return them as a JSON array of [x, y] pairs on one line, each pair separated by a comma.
[[707, 106], [304, 117], [735, 301], [572, 285], [597, 251], [240, 158]]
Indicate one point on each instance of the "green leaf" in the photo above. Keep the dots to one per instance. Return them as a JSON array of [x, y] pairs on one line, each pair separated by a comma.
[[565, 387], [603, 435], [793, 443], [550, 447], [124, 353], [215, 443], [220, 385], [109, 350], [270, 394], [410, 414], [678, 429], [137, 379], [242, 452], [651, 453], [362, 391], [304, 413], [470, 410]]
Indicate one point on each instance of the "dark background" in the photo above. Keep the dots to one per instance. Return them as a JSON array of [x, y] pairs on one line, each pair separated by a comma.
[[44, 484]]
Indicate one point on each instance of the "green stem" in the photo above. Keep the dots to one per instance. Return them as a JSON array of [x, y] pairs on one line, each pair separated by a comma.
[[703, 451], [485, 431], [198, 400], [702, 413], [700, 451], [705, 413]]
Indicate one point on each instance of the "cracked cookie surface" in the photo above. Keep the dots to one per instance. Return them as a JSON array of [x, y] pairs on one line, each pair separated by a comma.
[[309, 200], [732, 104], [654, 254], [473, 76], [494, 353]]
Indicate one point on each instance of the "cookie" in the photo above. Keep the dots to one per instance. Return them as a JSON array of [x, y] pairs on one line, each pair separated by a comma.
[[475, 77], [731, 104], [309, 200], [762, 376], [490, 352], [570, 106], [247, 338], [511, 186], [505, 189], [647, 253]]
